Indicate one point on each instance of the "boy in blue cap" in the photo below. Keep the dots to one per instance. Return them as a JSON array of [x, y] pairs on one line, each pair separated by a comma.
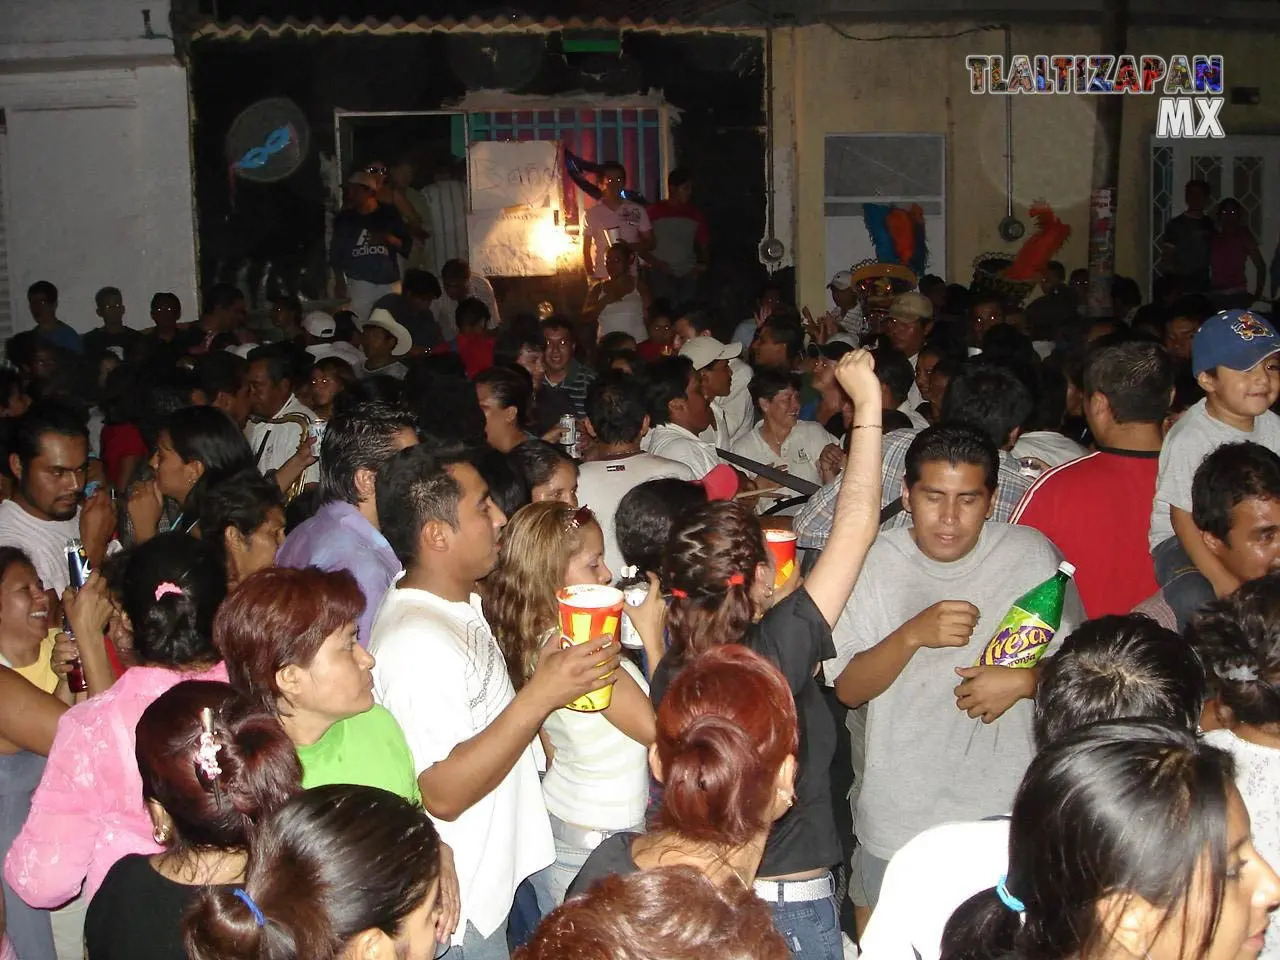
[[1234, 359]]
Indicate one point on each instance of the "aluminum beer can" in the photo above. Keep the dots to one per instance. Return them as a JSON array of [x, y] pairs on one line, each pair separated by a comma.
[[77, 572]]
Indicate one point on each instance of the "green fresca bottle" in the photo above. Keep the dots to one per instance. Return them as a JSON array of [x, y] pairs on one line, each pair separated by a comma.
[[1028, 628]]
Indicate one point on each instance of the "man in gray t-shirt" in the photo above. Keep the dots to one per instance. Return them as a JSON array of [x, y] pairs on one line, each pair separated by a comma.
[[945, 740]]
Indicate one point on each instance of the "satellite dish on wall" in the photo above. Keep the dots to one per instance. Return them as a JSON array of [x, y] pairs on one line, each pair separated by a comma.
[[268, 141]]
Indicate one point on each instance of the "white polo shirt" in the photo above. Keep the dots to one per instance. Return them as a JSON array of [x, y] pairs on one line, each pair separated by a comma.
[[800, 451], [676, 443], [441, 674]]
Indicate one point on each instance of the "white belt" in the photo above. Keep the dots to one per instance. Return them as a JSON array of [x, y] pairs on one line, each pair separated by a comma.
[[796, 891], [585, 838]]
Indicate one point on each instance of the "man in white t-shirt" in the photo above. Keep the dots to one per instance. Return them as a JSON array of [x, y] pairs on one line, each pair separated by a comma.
[[49, 455], [611, 220], [1109, 669], [441, 674], [617, 420]]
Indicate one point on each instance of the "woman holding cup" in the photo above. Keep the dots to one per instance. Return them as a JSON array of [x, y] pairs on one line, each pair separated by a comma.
[[551, 586], [723, 582]]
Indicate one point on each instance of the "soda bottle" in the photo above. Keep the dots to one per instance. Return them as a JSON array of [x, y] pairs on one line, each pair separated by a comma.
[[1028, 628], [78, 573]]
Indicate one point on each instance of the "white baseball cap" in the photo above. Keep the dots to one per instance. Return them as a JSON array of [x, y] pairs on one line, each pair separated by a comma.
[[320, 324], [704, 351]]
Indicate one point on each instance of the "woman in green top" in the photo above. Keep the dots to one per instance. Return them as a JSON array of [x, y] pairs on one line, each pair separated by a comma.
[[289, 641]]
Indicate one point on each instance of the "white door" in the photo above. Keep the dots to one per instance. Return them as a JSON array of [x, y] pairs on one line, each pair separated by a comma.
[[1247, 168]]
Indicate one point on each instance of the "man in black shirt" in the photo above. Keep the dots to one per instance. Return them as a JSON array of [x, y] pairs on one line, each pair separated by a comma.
[[113, 332], [1184, 245]]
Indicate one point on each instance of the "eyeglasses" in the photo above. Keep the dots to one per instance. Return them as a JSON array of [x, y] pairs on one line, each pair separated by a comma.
[[579, 517], [376, 168]]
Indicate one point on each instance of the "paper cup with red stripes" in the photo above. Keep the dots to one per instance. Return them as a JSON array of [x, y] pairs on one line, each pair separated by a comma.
[[589, 612], [782, 544]]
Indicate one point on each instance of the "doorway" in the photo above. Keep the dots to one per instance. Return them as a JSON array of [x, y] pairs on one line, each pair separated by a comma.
[[1247, 168], [434, 145]]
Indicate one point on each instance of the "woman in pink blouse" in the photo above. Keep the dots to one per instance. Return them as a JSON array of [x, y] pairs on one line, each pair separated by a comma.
[[88, 811]]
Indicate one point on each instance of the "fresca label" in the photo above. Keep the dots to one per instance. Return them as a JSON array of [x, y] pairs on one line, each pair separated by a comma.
[[1019, 642]]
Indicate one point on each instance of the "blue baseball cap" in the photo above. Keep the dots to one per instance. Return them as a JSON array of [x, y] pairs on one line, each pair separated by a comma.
[[1236, 339]]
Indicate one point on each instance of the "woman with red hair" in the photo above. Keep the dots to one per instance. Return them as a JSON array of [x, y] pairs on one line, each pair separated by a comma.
[[289, 641], [664, 912], [722, 577], [288, 638], [725, 751]]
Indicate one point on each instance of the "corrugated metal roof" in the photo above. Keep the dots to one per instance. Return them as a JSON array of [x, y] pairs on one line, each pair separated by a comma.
[[237, 28], [253, 19]]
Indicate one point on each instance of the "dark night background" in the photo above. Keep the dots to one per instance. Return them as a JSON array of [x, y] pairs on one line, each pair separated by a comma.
[[714, 80]]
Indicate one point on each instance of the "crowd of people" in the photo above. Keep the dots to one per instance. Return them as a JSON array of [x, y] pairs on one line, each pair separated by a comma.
[[311, 699]]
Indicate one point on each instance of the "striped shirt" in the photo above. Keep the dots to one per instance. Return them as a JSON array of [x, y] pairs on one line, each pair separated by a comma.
[[447, 203], [813, 523], [576, 382]]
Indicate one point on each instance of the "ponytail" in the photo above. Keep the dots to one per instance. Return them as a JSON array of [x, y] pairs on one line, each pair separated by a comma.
[[981, 928], [331, 863], [709, 567], [724, 730], [714, 787]]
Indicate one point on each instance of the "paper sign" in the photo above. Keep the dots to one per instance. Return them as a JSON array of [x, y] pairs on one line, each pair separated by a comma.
[[518, 242], [514, 173]]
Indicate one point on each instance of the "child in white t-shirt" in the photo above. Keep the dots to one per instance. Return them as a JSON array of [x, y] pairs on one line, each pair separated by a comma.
[[1233, 357]]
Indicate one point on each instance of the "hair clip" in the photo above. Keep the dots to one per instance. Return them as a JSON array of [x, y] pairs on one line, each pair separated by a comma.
[[736, 580], [1240, 674], [629, 572], [578, 518], [207, 748], [679, 594], [166, 588], [259, 917]]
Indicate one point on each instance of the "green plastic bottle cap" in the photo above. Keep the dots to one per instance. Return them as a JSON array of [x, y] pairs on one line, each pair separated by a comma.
[[1067, 568]]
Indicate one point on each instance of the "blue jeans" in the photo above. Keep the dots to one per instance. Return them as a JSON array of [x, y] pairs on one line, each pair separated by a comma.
[[1185, 589], [477, 947], [811, 929]]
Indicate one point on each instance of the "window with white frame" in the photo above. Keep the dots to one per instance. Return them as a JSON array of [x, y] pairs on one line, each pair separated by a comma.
[[896, 169]]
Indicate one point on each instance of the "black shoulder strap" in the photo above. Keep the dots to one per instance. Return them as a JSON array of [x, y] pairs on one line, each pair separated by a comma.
[[891, 510], [780, 477]]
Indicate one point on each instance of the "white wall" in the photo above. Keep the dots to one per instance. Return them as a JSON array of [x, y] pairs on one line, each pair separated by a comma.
[[41, 29], [96, 164]]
